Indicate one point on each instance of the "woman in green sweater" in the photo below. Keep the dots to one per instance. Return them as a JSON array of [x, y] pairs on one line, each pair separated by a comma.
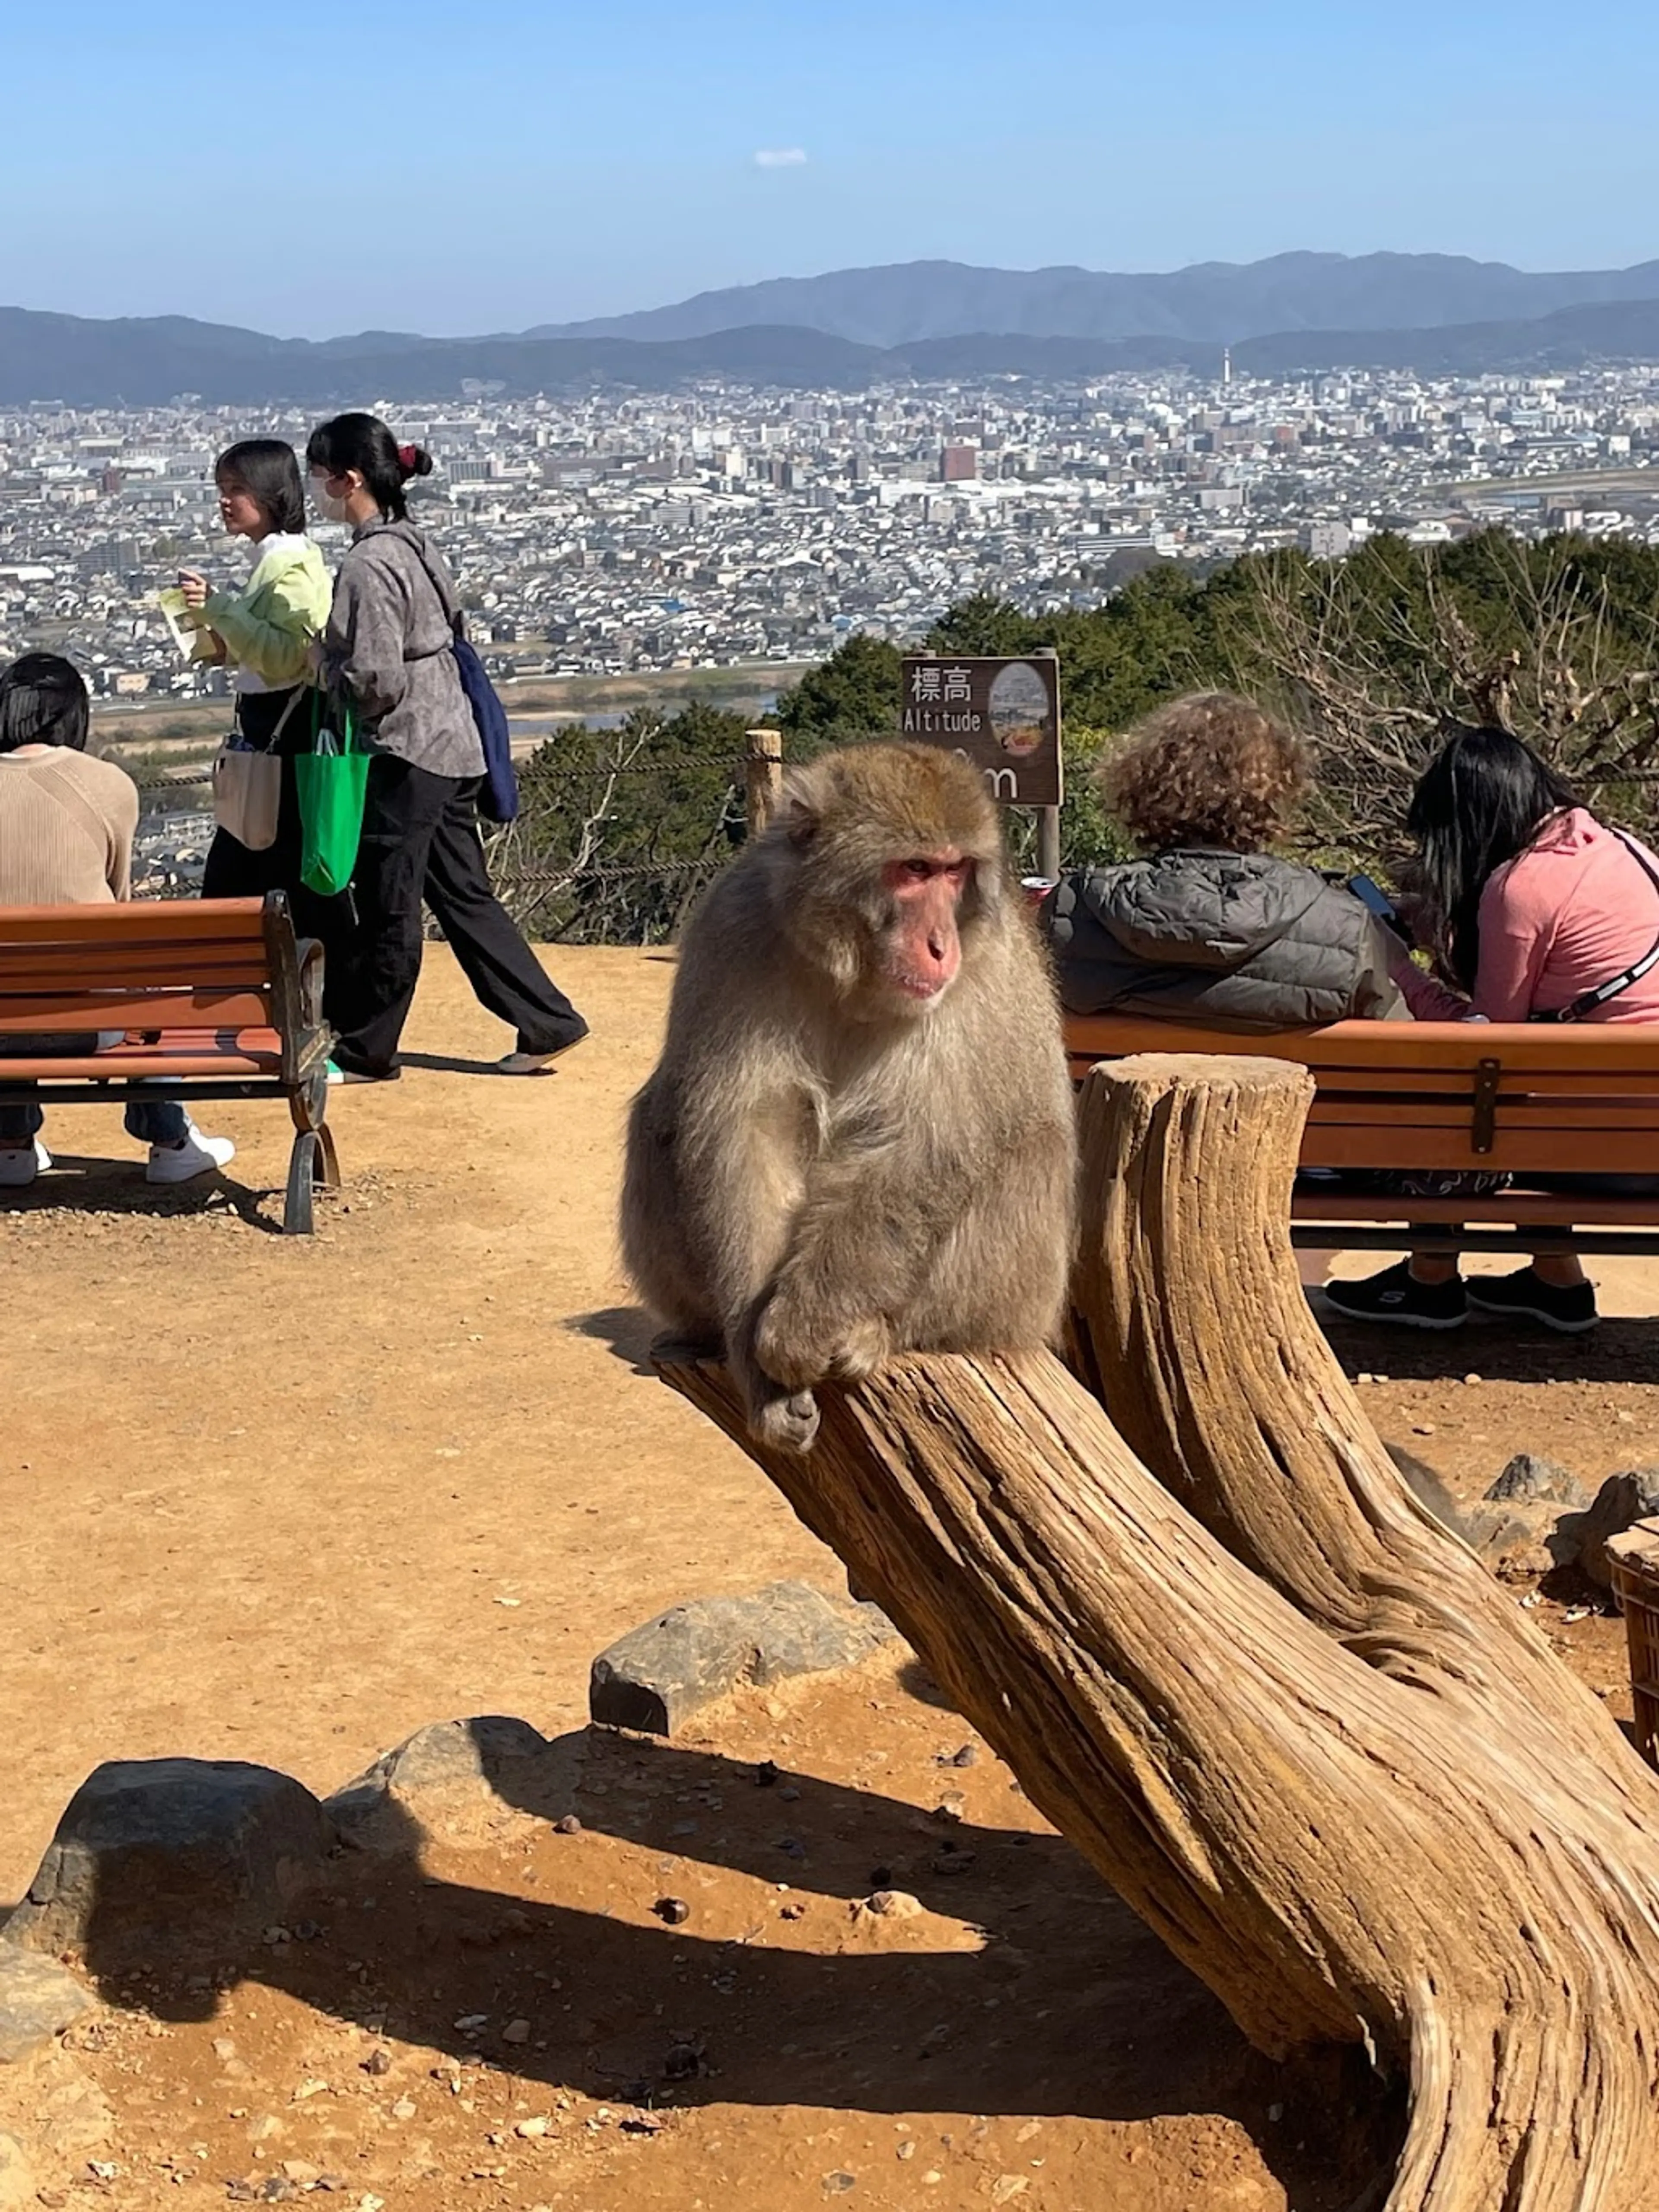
[[266, 630]]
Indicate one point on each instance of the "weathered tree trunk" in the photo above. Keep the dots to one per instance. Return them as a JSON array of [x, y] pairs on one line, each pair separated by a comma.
[[1329, 1786]]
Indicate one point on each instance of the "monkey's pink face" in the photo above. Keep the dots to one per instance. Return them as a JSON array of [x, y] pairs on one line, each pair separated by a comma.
[[922, 950]]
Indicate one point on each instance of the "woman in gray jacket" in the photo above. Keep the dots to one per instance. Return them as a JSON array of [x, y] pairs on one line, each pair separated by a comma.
[[386, 653], [1213, 927]]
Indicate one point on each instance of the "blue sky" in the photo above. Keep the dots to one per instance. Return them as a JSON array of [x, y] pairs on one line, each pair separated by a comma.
[[315, 166]]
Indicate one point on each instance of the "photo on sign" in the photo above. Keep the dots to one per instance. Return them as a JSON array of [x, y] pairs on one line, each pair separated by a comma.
[[1019, 710]]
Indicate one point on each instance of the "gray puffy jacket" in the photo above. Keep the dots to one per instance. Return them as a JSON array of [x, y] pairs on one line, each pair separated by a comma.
[[1233, 940]]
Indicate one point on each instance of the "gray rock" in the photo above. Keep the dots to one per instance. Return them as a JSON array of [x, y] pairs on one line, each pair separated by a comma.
[[456, 1779], [1518, 1525], [169, 1851], [1537, 1480], [1620, 1503], [37, 2000], [656, 1677]]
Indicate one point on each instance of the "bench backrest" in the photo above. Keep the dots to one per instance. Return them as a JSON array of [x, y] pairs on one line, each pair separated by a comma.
[[165, 964], [1545, 1099]]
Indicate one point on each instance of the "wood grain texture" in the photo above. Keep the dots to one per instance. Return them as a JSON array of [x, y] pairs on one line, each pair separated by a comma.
[[1280, 1707]]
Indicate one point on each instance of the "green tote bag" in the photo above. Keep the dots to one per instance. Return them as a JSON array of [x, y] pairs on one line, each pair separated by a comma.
[[330, 783]]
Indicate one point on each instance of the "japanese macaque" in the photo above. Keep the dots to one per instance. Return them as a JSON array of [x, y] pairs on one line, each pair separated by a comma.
[[859, 1138]]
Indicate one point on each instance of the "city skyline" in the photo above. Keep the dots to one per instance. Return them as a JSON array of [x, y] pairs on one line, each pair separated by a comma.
[[379, 167]]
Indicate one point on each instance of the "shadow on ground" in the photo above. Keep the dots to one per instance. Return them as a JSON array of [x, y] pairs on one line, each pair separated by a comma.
[[82, 1184], [1616, 1351], [1064, 2004]]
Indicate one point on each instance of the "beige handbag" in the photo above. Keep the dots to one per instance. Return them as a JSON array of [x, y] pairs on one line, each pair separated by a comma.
[[247, 784]]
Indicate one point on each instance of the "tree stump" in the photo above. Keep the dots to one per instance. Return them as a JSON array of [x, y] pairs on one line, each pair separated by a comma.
[[1353, 1793]]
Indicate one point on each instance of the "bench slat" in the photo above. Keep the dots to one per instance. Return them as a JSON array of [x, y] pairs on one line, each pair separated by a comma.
[[1397, 1047], [151, 1009], [1520, 1208], [1517, 1117], [255, 1051], [1526, 1152], [33, 971], [193, 920]]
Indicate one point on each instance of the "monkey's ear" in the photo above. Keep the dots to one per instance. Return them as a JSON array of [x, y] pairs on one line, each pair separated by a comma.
[[798, 815]]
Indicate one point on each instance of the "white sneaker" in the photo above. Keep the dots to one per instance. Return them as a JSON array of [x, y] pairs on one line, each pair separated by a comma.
[[532, 1063], [196, 1155], [21, 1163]]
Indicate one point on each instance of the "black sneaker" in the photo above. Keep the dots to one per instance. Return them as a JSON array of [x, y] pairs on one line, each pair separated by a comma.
[[1396, 1296], [1526, 1294]]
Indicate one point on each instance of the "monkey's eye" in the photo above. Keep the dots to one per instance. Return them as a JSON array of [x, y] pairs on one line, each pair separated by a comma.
[[916, 872]]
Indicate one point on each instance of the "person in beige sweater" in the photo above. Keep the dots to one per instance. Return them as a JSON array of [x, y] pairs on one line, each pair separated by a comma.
[[67, 821]]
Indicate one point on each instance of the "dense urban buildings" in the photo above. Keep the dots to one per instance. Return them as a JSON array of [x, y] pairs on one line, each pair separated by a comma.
[[621, 532]]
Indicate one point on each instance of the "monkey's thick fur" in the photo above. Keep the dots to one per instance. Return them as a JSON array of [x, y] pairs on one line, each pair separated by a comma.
[[834, 1161]]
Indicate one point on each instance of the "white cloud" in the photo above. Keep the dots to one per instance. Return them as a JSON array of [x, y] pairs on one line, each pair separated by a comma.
[[781, 157]]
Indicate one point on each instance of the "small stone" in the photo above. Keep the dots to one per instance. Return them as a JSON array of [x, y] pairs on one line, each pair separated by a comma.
[[532, 2130], [1423, 1428], [674, 1910], [796, 1912], [766, 1774], [405, 2109], [1471, 1379], [453, 1779], [224, 2046], [165, 1850], [516, 2031], [301, 2170], [38, 1999], [570, 1825], [1530, 1477], [949, 1860], [790, 1795], [683, 2063], [655, 1678], [837, 2185], [894, 1904], [792, 1845], [378, 2062], [967, 1755], [907, 2150]]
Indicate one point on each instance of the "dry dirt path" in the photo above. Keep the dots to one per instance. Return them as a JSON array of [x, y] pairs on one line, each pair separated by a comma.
[[264, 1499]]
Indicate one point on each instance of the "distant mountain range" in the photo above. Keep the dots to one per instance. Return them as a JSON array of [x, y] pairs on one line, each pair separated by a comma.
[[1223, 302], [1295, 315]]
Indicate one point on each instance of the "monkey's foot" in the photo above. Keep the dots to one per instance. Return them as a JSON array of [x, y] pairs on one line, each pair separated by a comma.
[[866, 1347], [787, 1423]]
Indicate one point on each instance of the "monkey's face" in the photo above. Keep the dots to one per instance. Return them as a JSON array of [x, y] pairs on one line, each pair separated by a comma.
[[920, 946]]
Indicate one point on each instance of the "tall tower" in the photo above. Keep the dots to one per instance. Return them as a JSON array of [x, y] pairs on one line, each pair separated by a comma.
[[1226, 368]]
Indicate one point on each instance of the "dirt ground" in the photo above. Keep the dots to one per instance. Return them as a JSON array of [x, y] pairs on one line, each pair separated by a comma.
[[288, 1501]]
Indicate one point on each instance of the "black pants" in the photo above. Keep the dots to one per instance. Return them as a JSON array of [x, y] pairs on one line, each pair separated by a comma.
[[421, 842]]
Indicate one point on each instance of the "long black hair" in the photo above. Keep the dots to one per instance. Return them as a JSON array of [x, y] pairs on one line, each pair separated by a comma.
[[364, 443], [1481, 800], [43, 702], [269, 472]]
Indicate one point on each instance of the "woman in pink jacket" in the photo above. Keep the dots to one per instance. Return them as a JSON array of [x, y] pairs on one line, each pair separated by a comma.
[[1550, 916]]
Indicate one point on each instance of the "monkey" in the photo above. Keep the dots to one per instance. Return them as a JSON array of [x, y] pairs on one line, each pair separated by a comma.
[[859, 1138]]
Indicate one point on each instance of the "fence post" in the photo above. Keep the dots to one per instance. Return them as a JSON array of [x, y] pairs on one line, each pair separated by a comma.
[[763, 766]]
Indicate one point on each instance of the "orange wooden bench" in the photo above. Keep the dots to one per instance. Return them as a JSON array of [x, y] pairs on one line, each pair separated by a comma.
[[213, 999], [1527, 1100]]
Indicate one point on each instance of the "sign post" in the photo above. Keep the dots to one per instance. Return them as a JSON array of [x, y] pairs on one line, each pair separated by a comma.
[[1003, 714]]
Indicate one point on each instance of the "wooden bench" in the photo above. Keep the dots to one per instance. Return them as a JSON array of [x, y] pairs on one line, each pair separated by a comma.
[[214, 998], [1528, 1100]]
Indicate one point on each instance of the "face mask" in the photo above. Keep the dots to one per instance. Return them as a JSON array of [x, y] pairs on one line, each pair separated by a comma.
[[330, 509]]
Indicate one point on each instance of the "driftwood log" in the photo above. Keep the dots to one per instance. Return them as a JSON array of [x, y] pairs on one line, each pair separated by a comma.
[[1281, 1710]]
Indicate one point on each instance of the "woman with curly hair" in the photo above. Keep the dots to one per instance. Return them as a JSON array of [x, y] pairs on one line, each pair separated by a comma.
[[1212, 927]]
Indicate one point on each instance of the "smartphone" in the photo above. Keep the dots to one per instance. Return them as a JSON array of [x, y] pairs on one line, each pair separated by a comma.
[[1371, 894]]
